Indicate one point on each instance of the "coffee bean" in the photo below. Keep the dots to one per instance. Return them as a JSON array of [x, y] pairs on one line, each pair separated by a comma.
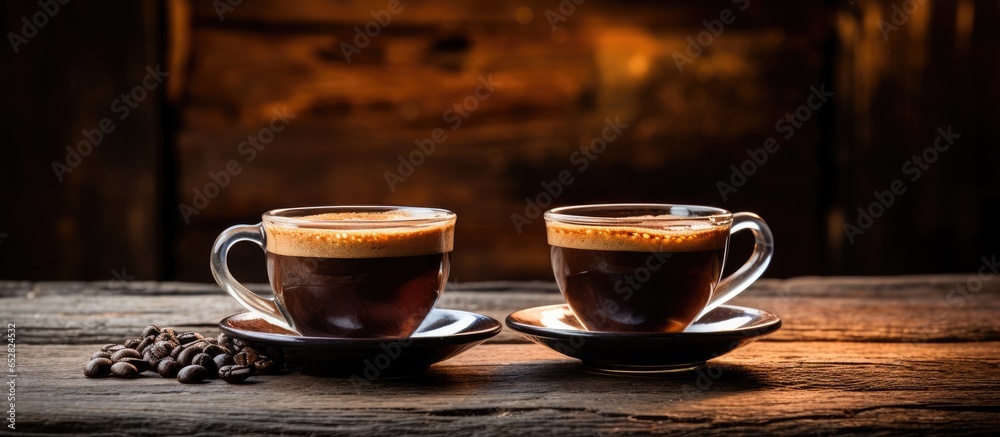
[[152, 360], [188, 337], [225, 341], [204, 360], [140, 364], [176, 351], [189, 356], [168, 368], [150, 330], [222, 360], [97, 368], [212, 350], [246, 357], [199, 343], [160, 349], [146, 342], [125, 353], [192, 374], [167, 336], [235, 374], [188, 353], [265, 365], [124, 370]]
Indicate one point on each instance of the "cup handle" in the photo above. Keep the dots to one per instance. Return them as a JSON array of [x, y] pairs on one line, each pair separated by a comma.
[[269, 308], [763, 248]]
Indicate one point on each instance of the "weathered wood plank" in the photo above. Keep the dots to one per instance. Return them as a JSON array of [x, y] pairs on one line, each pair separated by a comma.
[[308, 73], [778, 387], [555, 89], [899, 309]]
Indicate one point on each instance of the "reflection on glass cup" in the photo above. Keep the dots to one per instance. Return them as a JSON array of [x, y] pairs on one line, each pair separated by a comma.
[[649, 267], [346, 271]]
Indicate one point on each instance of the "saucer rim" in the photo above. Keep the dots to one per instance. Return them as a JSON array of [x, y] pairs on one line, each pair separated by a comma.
[[466, 336], [762, 329]]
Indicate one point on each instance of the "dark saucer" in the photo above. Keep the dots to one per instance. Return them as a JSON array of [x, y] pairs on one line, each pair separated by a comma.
[[444, 334], [721, 331]]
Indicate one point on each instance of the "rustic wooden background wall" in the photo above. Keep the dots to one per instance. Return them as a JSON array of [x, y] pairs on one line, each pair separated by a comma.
[[555, 89], [938, 69], [101, 212], [231, 68]]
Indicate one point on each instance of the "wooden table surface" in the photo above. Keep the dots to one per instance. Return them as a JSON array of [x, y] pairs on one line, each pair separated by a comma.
[[910, 355]]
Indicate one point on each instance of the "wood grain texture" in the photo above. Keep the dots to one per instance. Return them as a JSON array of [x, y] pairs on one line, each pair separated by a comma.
[[855, 355], [891, 309], [800, 388], [878, 83], [554, 90]]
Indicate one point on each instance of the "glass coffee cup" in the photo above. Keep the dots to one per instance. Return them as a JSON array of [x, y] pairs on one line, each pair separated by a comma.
[[345, 271], [649, 267]]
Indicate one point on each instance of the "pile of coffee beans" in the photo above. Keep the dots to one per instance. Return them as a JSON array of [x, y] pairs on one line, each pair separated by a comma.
[[188, 356]]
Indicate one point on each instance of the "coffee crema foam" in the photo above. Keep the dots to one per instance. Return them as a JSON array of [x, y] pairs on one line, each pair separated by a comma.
[[679, 236], [359, 215], [360, 243]]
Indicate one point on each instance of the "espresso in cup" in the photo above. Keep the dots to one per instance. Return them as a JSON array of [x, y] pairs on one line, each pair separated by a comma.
[[643, 267], [358, 272]]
